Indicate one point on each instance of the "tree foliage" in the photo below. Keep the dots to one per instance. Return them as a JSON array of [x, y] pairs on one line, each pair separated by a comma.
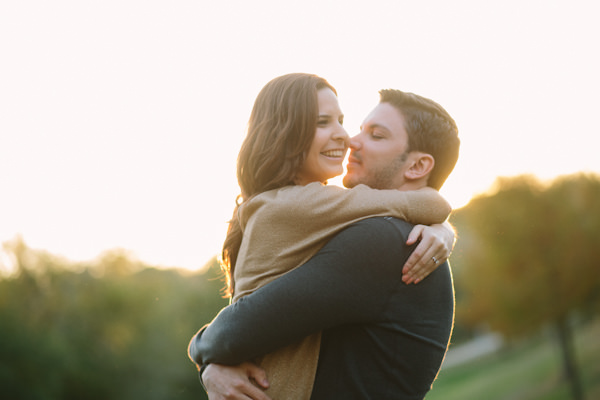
[[528, 258], [114, 329], [527, 254]]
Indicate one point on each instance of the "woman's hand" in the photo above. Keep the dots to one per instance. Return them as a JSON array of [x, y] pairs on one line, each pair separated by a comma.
[[244, 381], [435, 245]]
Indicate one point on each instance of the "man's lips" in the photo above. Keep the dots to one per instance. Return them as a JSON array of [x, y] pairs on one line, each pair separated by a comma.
[[353, 160]]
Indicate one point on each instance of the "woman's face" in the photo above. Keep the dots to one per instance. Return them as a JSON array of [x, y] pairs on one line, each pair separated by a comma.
[[328, 149]]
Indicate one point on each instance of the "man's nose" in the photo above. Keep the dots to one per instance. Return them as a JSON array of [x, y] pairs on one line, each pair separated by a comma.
[[341, 135]]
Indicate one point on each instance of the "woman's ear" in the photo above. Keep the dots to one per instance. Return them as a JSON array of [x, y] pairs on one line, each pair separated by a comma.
[[421, 165]]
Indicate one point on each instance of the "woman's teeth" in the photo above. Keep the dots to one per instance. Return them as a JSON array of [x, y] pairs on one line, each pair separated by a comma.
[[333, 153]]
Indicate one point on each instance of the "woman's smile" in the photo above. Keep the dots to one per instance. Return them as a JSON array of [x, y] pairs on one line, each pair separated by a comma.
[[338, 153]]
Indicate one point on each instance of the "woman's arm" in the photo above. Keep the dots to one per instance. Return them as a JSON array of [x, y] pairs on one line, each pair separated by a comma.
[[317, 207], [436, 243]]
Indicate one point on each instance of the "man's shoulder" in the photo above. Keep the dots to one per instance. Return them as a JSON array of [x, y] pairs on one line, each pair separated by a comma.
[[376, 234], [385, 225]]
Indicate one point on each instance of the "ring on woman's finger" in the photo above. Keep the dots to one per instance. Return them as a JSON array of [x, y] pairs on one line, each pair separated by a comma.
[[435, 260]]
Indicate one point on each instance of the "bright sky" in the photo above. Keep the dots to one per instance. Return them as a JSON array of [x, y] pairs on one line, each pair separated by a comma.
[[120, 120]]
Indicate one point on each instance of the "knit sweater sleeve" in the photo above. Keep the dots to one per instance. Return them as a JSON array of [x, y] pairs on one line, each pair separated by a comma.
[[326, 205]]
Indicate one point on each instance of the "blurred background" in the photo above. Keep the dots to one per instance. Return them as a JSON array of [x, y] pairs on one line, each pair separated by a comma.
[[119, 130]]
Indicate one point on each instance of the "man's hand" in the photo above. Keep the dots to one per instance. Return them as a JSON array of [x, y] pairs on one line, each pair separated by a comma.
[[244, 381], [436, 244]]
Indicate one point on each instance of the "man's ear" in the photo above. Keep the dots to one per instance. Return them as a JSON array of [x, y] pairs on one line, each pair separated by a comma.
[[420, 167]]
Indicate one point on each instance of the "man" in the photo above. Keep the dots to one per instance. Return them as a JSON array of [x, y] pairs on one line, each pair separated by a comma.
[[381, 338]]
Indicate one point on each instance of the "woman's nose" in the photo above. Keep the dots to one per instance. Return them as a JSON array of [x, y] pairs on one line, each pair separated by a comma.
[[341, 135]]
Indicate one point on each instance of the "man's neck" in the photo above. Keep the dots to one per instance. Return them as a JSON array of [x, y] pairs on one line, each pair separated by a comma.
[[413, 185]]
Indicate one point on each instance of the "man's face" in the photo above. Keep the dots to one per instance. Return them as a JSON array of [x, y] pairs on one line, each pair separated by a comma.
[[379, 152]]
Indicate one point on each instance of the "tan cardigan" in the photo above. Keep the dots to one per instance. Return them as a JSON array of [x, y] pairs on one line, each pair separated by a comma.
[[284, 228]]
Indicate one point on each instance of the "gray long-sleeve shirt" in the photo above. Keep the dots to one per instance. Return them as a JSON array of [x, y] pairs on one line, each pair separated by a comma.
[[382, 339]]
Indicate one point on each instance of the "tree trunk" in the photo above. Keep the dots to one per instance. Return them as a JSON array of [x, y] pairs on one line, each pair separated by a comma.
[[565, 339]]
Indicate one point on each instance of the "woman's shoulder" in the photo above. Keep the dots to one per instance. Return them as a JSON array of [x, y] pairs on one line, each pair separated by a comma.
[[292, 191], [302, 198], [290, 198]]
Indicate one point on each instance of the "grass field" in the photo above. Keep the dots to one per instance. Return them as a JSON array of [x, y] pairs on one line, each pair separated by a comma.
[[530, 370]]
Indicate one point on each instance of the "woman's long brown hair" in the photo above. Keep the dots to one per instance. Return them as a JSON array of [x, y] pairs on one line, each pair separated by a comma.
[[281, 129]]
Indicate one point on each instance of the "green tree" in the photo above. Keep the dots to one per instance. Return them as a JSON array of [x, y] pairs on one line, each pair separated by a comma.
[[114, 328], [527, 257]]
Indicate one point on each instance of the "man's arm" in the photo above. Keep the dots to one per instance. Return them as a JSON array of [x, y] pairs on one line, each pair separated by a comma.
[[347, 281]]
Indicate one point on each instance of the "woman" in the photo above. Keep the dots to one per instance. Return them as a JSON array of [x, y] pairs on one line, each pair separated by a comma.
[[285, 213]]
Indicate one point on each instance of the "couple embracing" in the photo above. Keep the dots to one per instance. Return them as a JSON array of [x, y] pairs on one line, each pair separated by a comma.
[[336, 293]]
